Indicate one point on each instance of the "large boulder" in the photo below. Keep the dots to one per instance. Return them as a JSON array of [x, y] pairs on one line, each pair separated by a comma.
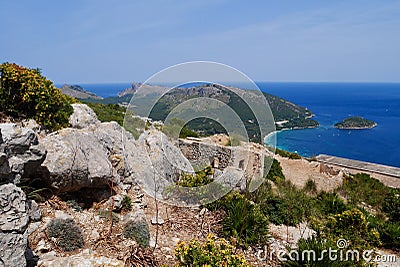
[[92, 156], [161, 165], [20, 153], [76, 159], [14, 218], [82, 117]]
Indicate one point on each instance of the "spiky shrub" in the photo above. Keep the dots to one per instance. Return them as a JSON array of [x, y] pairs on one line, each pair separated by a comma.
[[390, 234], [211, 253], [330, 203], [310, 186], [68, 235], [391, 205], [362, 187], [139, 231], [26, 93], [244, 220]]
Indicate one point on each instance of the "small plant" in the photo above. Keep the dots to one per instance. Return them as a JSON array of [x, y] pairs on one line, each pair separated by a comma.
[[213, 252], [74, 205], [68, 235], [200, 178], [105, 214], [310, 186], [108, 112], [330, 203], [244, 219], [390, 235], [275, 173], [391, 205], [139, 231], [126, 203]]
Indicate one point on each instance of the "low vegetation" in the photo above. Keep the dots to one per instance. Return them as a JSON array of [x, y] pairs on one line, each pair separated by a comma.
[[139, 231], [108, 112], [287, 154], [67, 234], [244, 220], [214, 252]]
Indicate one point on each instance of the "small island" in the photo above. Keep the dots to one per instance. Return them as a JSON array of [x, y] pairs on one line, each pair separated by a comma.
[[355, 123]]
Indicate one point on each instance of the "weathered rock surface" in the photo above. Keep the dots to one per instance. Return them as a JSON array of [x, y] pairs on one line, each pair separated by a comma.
[[75, 159], [162, 165], [20, 153], [14, 220], [82, 117], [86, 258], [93, 155]]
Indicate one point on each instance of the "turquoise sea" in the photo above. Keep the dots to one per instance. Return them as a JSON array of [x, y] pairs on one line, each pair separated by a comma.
[[331, 103]]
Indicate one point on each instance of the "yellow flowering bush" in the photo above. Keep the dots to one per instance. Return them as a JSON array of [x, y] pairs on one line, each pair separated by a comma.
[[25, 93], [214, 252]]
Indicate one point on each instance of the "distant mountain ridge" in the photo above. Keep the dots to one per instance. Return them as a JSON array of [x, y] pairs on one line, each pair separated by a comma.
[[287, 115], [79, 92]]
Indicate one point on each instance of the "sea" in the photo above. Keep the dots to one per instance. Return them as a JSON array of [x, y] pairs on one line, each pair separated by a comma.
[[331, 103]]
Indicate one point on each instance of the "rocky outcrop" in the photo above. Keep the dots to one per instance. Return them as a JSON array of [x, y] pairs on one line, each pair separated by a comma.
[[14, 218], [20, 153], [93, 153], [82, 117], [76, 159]]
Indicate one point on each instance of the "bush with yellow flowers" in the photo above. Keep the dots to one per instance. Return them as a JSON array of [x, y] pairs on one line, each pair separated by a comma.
[[25, 93], [214, 252]]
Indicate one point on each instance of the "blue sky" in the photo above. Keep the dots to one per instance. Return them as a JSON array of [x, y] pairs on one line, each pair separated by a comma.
[[118, 41]]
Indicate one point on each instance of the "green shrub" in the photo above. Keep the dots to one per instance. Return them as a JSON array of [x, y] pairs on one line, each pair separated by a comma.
[[329, 204], [108, 112], [200, 178], [352, 225], [244, 219], [26, 93], [310, 186], [390, 235], [74, 205], [126, 203], [391, 204], [362, 187], [105, 214], [68, 235], [275, 173], [139, 231], [213, 252], [287, 154], [177, 127]]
